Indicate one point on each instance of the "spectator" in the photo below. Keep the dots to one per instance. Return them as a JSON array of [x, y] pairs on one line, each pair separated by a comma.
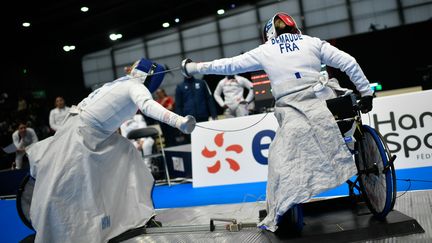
[[232, 87], [143, 144], [3, 98], [22, 104], [168, 132], [58, 114], [165, 100], [22, 111], [193, 97], [22, 137]]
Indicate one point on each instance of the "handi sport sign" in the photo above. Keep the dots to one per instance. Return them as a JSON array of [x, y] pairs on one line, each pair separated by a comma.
[[405, 122]]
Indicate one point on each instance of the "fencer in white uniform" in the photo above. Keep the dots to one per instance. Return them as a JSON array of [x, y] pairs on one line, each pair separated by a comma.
[[58, 114], [22, 138], [308, 154], [232, 87], [144, 144], [90, 182]]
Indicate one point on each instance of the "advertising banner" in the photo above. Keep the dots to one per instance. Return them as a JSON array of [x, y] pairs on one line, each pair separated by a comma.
[[235, 150], [405, 122]]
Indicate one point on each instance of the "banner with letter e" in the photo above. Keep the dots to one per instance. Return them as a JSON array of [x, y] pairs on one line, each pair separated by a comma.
[[235, 157]]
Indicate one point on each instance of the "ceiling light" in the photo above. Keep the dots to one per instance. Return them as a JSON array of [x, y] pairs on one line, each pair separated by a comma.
[[115, 36], [26, 24], [68, 48], [176, 20], [220, 11], [84, 9], [165, 25]]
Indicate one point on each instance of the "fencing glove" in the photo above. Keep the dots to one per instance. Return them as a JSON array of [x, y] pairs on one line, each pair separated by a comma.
[[365, 103], [187, 124]]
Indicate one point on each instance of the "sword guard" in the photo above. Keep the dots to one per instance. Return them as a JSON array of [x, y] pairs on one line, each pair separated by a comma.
[[183, 67]]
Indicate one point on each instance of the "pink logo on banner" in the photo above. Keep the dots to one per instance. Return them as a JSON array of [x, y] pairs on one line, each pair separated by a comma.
[[219, 140]]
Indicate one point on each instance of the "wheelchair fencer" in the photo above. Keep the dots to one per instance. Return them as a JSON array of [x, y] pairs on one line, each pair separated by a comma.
[[375, 182]]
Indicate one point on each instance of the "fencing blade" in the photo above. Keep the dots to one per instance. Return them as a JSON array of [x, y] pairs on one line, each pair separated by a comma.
[[165, 71]]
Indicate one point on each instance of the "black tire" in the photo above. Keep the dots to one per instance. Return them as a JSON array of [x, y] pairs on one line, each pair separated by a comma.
[[377, 178], [24, 198]]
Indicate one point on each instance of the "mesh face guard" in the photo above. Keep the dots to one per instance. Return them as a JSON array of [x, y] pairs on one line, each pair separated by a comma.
[[270, 30]]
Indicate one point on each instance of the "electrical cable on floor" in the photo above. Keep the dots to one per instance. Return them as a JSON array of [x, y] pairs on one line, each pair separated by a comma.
[[409, 186]]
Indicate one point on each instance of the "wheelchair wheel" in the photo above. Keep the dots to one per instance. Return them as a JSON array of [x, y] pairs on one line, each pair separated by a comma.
[[24, 198], [377, 176]]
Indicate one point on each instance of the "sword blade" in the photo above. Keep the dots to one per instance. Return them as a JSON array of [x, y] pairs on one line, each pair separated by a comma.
[[166, 71]]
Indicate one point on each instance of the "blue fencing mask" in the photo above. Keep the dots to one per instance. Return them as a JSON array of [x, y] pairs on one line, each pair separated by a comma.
[[144, 69]]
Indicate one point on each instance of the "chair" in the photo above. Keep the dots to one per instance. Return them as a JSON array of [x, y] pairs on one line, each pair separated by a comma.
[[154, 133]]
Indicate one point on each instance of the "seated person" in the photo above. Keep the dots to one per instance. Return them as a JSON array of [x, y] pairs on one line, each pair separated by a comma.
[[308, 154], [164, 99], [145, 145], [22, 138]]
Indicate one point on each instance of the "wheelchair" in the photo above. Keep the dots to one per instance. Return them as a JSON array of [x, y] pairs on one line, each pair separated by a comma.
[[375, 182], [376, 177], [24, 199]]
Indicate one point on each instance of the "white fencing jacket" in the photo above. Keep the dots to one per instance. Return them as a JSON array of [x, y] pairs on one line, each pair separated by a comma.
[[57, 116], [290, 60], [109, 106], [22, 142]]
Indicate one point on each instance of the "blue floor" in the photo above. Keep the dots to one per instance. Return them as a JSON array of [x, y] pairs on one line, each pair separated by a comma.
[[184, 195]]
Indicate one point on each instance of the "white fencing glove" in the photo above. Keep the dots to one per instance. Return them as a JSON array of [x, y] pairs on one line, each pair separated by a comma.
[[188, 68], [187, 124]]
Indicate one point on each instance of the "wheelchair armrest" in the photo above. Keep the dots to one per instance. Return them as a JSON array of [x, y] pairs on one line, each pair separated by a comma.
[[343, 107], [143, 132]]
